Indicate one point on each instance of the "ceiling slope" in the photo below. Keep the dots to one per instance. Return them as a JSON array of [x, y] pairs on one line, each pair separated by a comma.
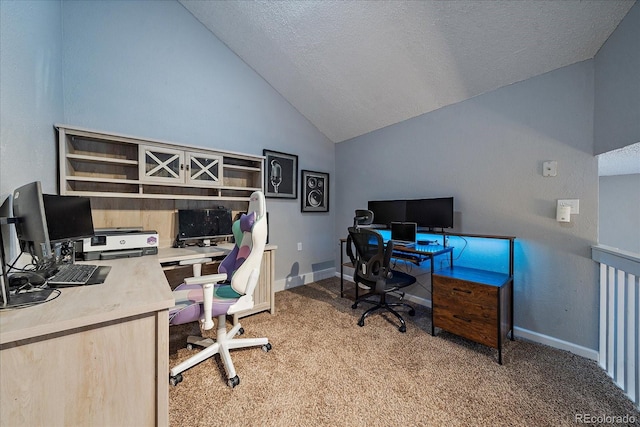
[[351, 67]]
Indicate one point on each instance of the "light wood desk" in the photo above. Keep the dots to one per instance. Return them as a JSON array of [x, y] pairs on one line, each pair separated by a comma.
[[96, 355]]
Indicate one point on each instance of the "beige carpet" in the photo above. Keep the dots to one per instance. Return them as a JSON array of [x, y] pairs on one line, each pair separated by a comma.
[[324, 370]]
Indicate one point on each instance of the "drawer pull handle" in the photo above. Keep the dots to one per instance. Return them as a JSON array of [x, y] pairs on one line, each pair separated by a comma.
[[466, 291], [462, 318]]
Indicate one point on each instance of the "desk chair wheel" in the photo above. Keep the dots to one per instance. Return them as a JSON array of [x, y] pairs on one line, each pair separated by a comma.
[[361, 322], [175, 380], [241, 331], [354, 305], [189, 347], [232, 382], [402, 328], [267, 347], [412, 312]]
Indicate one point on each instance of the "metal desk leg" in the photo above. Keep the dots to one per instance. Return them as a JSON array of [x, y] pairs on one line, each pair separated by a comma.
[[341, 272]]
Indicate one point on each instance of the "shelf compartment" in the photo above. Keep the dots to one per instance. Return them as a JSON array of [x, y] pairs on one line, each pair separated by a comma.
[[97, 187], [241, 178], [242, 163], [101, 149], [119, 170]]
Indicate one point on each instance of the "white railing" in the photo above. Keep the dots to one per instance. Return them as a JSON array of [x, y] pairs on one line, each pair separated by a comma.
[[619, 317]]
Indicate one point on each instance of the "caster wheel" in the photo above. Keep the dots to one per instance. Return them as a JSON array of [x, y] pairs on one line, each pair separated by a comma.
[[189, 347], [240, 331], [354, 306], [402, 328], [266, 347], [175, 380], [361, 323], [412, 312], [232, 382]]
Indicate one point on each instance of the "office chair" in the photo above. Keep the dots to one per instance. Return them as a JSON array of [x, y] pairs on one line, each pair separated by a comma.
[[226, 293], [372, 269]]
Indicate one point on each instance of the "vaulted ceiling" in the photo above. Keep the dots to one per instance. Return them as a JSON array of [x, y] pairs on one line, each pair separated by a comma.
[[351, 67]]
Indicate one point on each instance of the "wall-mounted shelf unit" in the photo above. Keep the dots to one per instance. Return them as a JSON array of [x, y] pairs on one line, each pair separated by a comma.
[[99, 164]]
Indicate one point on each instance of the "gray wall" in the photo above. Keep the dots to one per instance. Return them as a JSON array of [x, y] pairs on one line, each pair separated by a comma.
[[617, 86], [150, 69], [30, 92], [619, 212], [487, 152]]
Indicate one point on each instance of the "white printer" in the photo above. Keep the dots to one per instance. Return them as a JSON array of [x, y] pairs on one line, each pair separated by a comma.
[[119, 243]]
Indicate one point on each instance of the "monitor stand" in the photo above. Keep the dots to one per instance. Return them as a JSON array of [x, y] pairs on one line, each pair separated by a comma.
[[27, 298]]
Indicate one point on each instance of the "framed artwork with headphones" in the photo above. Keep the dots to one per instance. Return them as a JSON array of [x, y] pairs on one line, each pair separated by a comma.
[[315, 191], [281, 175]]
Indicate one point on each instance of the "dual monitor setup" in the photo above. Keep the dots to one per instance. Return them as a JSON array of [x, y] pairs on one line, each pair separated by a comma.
[[407, 217], [46, 226]]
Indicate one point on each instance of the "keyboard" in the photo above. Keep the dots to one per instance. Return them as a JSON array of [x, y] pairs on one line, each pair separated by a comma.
[[72, 275]]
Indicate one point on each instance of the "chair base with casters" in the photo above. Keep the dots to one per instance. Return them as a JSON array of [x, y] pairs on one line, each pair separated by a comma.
[[227, 302], [382, 304]]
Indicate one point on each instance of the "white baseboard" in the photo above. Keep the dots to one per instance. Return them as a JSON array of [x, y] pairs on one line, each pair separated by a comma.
[[556, 343], [521, 332], [303, 279]]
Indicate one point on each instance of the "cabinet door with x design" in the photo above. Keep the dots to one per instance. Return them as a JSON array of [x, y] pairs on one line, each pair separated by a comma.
[[169, 166]]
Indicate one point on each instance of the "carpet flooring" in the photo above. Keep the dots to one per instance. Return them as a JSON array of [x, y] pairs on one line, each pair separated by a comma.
[[324, 370]]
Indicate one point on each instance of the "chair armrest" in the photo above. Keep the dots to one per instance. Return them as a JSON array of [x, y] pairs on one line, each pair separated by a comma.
[[207, 283], [209, 278]]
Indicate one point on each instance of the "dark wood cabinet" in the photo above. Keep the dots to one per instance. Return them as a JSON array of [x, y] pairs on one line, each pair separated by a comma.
[[474, 303]]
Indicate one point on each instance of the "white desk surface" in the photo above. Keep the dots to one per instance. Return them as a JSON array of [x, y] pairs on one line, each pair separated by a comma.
[[134, 286]]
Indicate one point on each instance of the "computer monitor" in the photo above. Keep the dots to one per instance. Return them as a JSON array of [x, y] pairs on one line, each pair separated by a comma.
[[201, 224], [68, 217], [31, 228], [387, 211], [431, 213]]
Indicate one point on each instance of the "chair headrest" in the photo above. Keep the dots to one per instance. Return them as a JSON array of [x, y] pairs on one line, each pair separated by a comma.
[[363, 217], [257, 204]]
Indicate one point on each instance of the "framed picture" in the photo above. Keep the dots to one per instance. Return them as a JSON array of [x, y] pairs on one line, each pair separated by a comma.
[[315, 191], [281, 175]]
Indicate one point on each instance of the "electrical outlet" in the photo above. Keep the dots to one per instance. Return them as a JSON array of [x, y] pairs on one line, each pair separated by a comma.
[[550, 168], [299, 246]]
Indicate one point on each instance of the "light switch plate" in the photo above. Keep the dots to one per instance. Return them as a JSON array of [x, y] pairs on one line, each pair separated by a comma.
[[574, 203]]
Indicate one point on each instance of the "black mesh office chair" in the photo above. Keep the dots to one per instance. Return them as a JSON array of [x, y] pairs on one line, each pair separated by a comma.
[[372, 269]]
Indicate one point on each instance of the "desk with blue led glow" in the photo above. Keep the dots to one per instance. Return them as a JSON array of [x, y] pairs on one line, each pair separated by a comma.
[[474, 298]]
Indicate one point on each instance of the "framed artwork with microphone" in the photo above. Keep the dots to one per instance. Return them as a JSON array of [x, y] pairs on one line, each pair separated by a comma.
[[315, 191], [281, 175]]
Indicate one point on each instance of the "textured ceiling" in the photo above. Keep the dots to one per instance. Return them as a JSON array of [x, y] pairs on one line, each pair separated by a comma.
[[625, 161], [351, 67]]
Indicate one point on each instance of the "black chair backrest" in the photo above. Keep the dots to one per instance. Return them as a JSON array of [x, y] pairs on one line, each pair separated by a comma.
[[372, 257]]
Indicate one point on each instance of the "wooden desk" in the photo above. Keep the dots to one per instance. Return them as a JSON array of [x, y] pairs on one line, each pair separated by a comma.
[[96, 355]]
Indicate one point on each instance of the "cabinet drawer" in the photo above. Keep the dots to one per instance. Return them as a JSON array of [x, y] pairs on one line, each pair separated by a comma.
[[467, 309], [465, 292], [480, 330]]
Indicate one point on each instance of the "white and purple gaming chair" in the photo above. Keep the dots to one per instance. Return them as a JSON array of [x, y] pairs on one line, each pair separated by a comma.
[[226, 293]]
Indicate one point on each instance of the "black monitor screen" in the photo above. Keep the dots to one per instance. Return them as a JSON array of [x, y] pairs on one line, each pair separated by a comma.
[[431, 213], [31, 229], [204, 223], [387, 211], [68, 217]]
